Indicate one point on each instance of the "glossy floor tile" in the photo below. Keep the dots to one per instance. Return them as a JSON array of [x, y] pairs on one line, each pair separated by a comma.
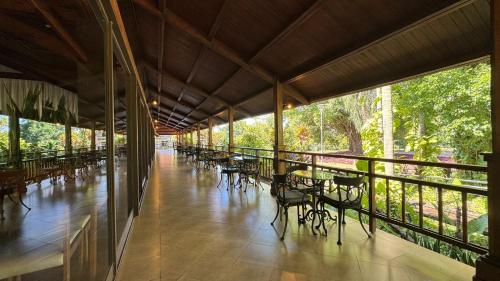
[[190, 230]]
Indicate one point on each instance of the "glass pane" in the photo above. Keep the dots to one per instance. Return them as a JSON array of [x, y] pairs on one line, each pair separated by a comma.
[[58, 216]]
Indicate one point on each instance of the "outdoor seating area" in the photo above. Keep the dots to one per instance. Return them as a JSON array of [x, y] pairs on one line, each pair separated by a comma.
[[148, 140]]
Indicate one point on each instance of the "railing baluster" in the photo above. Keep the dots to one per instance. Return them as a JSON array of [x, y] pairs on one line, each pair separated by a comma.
[[387, 199], [465, 232], [372, 204], [440, 210], [403, 202], [420, 207]]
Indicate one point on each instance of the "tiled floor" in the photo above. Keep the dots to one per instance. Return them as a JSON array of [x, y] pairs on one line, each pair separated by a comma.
[[190, 230]]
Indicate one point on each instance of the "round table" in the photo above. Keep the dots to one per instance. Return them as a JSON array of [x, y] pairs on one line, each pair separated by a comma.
[[317, 179]]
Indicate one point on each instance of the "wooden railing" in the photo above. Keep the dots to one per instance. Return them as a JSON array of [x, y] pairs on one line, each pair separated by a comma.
[[34, 162], [394, 198]]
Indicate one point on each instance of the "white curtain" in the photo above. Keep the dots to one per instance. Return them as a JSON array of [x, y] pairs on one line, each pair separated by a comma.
[[14, 92]]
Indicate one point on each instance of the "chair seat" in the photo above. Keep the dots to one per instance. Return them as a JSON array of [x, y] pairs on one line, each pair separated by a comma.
[[292, 197], [230, 170], [333, 199]]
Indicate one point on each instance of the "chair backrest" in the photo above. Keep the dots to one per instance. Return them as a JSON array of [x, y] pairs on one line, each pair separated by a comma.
[[291, 169], [251, 165], [280, 184], [12, 178], [350, 190]]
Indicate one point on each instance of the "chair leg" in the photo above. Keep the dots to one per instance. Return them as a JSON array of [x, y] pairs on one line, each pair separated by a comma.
[[343, 216], [22, 202], [286, 224], [277, 212], [323, 218], [363, 226], [339, 241], [220, 181]]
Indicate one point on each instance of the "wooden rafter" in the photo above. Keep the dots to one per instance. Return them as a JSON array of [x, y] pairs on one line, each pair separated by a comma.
[[218, 47], [37, 36], [309, 12], [211, 36], [58, 27], [173, 99], [198, 91], [377, 38]]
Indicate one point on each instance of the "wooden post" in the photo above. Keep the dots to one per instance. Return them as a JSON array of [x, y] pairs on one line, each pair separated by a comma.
[[230, 120], [279, 165], [488, 266], [68, 146], [14, 138], [191, 142], [132, 145], [92, 135], [210, 128], [110, 147], [198, 141]]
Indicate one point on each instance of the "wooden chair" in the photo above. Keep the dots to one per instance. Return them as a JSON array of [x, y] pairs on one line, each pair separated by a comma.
[[347, 194], [11, 181]]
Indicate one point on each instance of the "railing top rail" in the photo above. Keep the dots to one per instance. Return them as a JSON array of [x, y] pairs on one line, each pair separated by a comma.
[[468, 167]]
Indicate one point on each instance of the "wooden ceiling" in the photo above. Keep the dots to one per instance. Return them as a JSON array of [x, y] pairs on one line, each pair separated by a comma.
[[199, 57]]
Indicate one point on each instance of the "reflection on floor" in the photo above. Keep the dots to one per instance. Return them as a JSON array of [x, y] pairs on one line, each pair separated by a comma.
[[190, 230], [32, 241]]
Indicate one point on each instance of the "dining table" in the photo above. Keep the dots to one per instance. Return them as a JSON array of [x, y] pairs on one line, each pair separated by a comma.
[[313, 183]]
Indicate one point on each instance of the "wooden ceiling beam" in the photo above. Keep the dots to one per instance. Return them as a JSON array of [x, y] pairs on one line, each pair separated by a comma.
[[211, 36], [306, 15], [173, 99], [199, 91], [58, 27], [218, 47], [406, 25], [19, 29]]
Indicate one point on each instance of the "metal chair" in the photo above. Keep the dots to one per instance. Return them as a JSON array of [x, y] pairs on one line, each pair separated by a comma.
[[287, 198], [347, 195], [250, 168], [227, 169]]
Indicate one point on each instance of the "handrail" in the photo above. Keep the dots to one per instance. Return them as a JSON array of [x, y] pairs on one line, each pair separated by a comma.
[[467, 167]]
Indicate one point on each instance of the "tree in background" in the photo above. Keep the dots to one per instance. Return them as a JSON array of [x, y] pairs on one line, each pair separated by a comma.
[[4, 134], [445, 110], [41, 136]]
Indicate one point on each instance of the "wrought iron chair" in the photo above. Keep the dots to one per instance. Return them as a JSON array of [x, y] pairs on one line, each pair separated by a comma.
[[227, 169], [347, 195], [287, 198], [250, 168]]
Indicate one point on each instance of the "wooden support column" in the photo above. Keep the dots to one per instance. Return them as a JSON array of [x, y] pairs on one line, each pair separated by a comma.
[[279, 165], [92, 135], [132, 145], [198, 141], [488, 266], [191, 142], [210, 129], [68, 146], [14, 138], [230, 120], [110, 133]]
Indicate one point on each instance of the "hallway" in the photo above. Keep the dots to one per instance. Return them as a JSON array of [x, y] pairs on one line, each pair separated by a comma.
[[189, 230]]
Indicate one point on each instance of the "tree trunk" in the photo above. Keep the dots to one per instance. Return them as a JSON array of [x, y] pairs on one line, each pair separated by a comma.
[[355, 142], [387, 125]]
